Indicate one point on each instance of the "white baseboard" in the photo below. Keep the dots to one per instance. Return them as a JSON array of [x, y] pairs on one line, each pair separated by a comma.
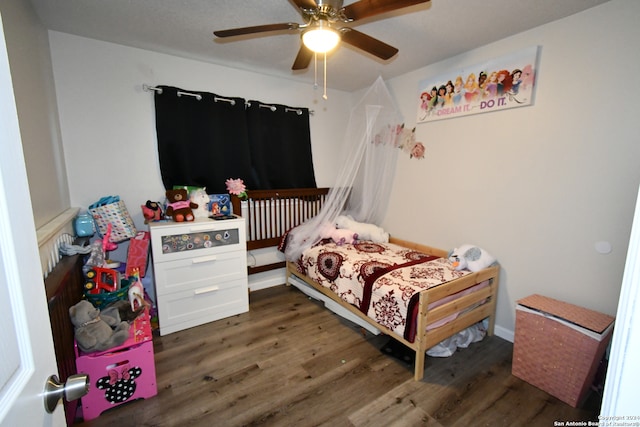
[[503, 333], [267, 279]]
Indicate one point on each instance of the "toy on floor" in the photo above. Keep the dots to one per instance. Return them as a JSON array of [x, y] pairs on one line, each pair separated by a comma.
[[469, 257], [364, 230], [179, 206], [95, 330]]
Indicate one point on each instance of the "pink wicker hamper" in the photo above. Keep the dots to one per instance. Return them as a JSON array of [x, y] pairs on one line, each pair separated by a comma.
[[558, 346]]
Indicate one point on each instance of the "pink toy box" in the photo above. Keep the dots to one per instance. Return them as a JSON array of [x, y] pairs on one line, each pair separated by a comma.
[[121, 374]]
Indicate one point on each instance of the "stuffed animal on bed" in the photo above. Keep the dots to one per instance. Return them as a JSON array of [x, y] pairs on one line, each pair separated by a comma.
[[364, 230], [469, 257], [339, 236]]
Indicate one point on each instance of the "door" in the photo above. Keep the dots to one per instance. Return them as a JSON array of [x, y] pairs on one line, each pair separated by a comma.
[[27, 353]]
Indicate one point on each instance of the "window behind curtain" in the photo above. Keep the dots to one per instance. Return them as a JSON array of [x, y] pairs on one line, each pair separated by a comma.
[[280, 146], [204, 142]]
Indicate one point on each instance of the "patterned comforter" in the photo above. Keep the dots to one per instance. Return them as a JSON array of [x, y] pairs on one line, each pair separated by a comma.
[[382, 280]]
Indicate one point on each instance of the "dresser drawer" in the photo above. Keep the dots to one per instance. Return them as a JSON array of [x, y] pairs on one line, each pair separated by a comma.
[[172, 241], [199, 272], [188, 308]]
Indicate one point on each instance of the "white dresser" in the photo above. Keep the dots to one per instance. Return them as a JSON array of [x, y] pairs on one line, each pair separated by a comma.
[[200, 271]]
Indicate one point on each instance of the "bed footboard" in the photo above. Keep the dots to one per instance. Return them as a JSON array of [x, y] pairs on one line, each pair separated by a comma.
[[270, 213]]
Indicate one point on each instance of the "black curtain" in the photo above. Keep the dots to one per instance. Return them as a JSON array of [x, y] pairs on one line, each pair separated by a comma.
[[202, 142], [280, 142], [205, 139]]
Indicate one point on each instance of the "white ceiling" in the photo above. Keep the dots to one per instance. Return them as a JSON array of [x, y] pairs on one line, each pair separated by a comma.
[[424, 34]]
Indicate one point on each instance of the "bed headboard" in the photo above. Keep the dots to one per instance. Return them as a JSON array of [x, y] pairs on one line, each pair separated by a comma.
[[270, 213]]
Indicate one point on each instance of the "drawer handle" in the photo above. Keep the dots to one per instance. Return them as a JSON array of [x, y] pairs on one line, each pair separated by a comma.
[[206, 227], [206, 290], [204, 259]]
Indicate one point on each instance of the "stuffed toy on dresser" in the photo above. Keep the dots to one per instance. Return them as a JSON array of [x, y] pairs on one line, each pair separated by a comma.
[[179, 207]]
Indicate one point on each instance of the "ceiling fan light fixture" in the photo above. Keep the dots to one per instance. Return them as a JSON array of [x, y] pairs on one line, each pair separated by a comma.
[[321, 38]]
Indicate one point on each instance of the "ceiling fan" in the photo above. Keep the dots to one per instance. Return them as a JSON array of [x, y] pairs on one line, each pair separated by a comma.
[[322, 18]]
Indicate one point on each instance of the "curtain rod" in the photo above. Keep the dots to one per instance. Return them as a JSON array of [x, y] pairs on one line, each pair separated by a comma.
[[147, 88]]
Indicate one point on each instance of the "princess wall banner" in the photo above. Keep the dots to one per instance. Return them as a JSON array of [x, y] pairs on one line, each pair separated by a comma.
[[498, 84]]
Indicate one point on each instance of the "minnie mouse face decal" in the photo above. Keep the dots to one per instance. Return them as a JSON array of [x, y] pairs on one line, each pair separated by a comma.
[[120, 384]]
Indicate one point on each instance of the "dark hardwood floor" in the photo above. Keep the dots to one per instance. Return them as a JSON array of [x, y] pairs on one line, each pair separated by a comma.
[[291, 362]]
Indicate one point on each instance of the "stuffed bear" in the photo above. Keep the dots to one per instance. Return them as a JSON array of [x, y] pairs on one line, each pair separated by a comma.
[[95, 330], [179, 207], [469, 257], [339, 236], [365, 231]]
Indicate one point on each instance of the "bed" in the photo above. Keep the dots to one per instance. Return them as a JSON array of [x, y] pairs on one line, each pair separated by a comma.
[[433, 311]]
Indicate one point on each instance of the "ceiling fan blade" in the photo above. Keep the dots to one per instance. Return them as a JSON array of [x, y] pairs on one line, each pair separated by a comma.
[[303, 59], [257, 29], [367, 43], [366, 8], [306, 4]]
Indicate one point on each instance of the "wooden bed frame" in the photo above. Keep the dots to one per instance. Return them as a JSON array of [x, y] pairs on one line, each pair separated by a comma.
[[474, 307]]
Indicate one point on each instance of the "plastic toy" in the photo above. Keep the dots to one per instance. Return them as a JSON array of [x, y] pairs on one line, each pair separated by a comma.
[[136, 292], [101, 279]]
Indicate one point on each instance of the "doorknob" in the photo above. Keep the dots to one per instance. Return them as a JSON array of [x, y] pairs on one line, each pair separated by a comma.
[[76, 386]]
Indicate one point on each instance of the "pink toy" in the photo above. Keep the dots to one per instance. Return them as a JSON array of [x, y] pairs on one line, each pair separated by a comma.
[[151, 211], [339, 236], [136, 292], [107, 244]]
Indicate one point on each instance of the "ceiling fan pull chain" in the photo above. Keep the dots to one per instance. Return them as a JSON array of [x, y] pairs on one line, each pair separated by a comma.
[[315, 70], [324, 95]]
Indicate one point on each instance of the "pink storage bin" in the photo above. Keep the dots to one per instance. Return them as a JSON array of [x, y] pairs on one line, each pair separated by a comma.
[[121, 374]]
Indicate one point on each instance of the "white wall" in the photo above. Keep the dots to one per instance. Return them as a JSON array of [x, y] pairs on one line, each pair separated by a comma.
[[536, 186], [33, 86], [108, 122]]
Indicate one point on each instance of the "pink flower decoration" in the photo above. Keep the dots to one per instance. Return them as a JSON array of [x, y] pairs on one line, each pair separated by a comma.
[[236, 187]]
